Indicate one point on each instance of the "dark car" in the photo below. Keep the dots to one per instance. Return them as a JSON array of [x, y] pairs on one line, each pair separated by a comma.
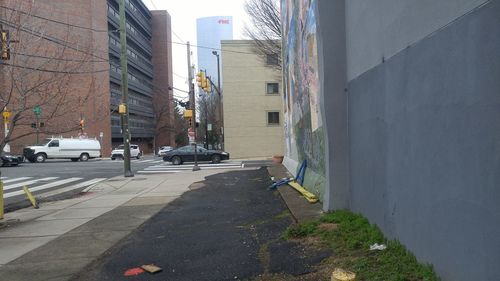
[[10, 159], [186, 154]]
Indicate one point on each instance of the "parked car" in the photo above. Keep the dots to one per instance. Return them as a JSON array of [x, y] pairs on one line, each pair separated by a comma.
[[186, 154], [135, 152], [11, 160], [163, 150], [63, 148]]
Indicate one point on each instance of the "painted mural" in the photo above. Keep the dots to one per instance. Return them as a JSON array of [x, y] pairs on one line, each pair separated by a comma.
[[304, 132]]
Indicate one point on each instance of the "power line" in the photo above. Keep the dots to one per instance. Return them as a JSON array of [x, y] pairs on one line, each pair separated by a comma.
[[55, 71], [51, 39], [180, 76], [52, 20], [152, 3], [178, 37], [212, 48], [54, 58]]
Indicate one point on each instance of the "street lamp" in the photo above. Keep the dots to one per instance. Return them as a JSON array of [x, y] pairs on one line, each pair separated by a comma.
[[215, 53]]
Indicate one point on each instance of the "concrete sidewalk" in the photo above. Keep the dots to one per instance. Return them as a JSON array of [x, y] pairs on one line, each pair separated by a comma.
[[59, 239]]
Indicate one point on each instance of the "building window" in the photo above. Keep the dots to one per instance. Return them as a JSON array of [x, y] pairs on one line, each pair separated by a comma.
[[272, 88], [272, 59], [273, 118]]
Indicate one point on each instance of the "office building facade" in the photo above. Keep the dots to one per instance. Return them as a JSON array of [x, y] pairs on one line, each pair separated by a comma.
[[253, 102], [75, 46]]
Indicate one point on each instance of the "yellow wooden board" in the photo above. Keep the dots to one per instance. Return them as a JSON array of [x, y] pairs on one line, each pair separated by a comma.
[[308, 195]]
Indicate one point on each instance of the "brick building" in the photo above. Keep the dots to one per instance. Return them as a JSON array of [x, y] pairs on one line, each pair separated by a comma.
[[68, 52]]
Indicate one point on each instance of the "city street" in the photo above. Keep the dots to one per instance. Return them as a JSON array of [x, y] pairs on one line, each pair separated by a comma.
[[58, 179]]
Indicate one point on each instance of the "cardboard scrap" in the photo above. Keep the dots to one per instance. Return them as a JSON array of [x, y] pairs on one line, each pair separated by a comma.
[[133, 272], [343, 275], [151, 268]]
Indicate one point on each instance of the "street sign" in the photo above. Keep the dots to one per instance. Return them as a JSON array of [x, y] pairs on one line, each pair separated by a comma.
[[188, 113], [6, 116], [209, 127], [37, 110], [101, 134], [191, 133]]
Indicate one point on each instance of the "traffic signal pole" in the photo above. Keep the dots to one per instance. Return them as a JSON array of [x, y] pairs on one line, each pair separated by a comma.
[[192, 98], [124, 112]]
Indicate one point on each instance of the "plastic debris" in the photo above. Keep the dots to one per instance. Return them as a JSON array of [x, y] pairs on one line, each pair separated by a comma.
[[133, 272], [151, 268], [379, 247], [343, 275]]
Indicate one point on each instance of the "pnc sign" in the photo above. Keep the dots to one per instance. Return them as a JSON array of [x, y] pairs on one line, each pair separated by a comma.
[[221, 21]]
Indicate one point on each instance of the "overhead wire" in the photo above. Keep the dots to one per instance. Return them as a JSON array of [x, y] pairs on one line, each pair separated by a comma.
[[53, 20], [212, 48], [54, 58], [54, 71], [51, 39]]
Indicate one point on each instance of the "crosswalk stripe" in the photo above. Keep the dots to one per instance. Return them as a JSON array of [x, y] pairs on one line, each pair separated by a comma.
[[42, 187], [189, 168], [30, 182], [17, 179], [157, 172], [200, 165], [70, 188]]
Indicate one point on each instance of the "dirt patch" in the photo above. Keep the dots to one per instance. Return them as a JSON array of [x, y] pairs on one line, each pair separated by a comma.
[[328, 226]]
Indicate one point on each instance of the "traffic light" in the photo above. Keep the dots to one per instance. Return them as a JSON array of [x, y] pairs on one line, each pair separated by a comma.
[[5, 50], [82, 124], [200, 77], [207, 86], [184, 104], [190, 122]]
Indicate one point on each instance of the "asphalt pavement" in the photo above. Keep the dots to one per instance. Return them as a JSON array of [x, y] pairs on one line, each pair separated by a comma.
[[220, 230]]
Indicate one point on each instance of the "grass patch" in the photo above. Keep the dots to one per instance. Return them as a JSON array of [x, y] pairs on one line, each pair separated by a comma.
[[350, 240], [282, 215]]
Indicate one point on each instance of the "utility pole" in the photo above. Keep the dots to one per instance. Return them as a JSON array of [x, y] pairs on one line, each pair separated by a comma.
[[123, 109], [219, 92], [193, 106], [206, 122]]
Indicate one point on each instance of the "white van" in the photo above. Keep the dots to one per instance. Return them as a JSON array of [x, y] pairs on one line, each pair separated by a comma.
[[63, 148]]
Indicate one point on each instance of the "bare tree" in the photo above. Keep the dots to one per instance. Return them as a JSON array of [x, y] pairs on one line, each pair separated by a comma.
[[181, 128], [207, 108], [266, 27], [51, 65]]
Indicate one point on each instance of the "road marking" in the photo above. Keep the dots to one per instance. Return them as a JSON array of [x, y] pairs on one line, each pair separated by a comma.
[[70, 188], [200, 165], [42, 187], [158, 172], [17, 179], [30, 182], [144, 161]]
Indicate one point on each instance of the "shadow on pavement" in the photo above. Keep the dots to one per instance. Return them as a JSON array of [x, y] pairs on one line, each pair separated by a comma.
[[223, 229]]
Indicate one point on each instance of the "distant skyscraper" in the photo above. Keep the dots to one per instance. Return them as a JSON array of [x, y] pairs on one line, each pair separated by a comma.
[[211, 31]]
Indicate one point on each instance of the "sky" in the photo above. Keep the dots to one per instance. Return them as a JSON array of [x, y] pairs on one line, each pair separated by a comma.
[[184, 14]]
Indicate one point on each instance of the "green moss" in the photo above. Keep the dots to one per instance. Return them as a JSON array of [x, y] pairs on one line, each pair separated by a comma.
[[301, 230], [350, 238]]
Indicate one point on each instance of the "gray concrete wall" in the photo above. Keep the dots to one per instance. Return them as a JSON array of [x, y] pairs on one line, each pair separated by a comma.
[[425, 140], [382, 28], [333, 102]]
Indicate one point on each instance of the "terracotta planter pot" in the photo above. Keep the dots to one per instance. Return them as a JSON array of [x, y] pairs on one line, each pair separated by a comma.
[[278, 159]]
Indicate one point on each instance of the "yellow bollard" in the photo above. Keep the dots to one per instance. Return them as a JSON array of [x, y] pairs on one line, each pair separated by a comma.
[[30, 197], [1, 200]]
